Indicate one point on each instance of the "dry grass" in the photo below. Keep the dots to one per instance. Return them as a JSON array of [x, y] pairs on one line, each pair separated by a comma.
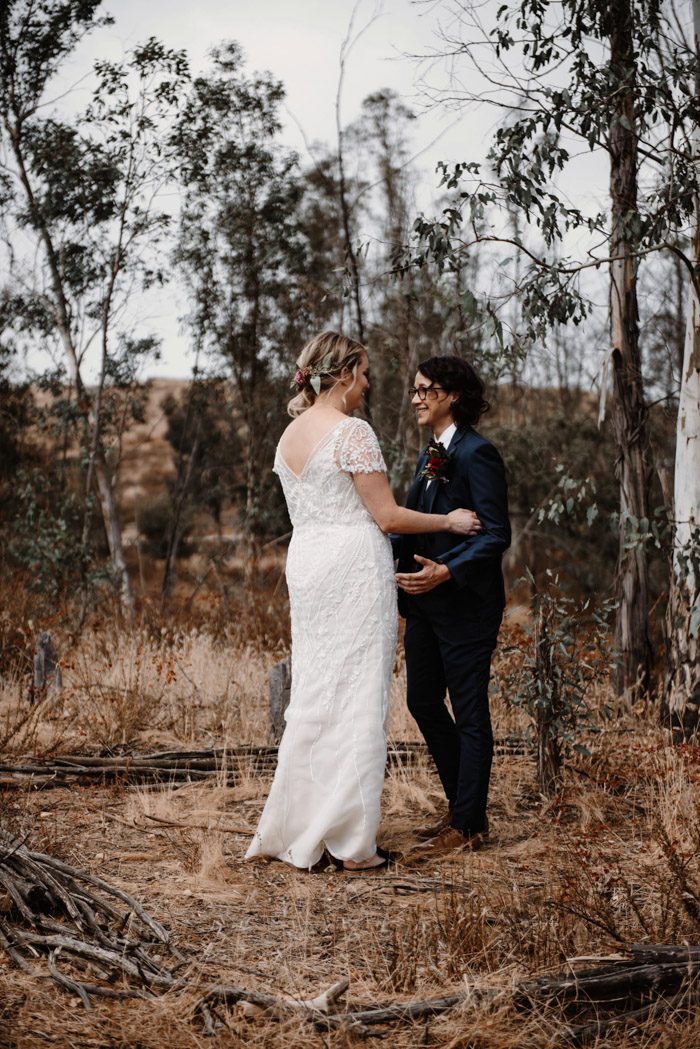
[[614, 858], [132, 688]]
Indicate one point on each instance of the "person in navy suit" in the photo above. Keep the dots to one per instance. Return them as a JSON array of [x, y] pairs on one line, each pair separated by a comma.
[[452, 596]]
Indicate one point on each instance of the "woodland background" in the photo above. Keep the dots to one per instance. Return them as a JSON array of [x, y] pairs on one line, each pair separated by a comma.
[[140, 523]]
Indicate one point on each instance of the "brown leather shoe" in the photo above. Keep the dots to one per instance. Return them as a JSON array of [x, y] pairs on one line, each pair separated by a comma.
[[425, 833], [449, 842], [436, 828]]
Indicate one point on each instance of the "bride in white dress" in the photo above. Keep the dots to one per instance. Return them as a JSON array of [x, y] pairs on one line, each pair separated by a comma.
[[342, 594]]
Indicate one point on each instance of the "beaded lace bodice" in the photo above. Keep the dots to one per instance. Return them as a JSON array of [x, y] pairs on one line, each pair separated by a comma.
[[324, 491]]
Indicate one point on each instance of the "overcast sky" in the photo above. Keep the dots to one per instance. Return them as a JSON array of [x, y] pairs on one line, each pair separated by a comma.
[[299, 42]]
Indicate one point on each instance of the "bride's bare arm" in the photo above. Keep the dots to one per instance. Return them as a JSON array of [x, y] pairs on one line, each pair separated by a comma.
[[373, 489]]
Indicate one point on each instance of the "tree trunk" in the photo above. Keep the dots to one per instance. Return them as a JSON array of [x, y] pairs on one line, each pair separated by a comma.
[[629, 413], [350, 254], [548, 742], [682, 699], [279, 683], [405, 436], [62, 316], [177, 526], [110, 515], [251, 547]]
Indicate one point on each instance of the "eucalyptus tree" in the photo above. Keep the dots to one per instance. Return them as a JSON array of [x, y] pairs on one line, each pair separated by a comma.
[[202, 432], [243, 255], [323, 285], [682, 699], [405, 320], [381, 202], [80, 209], [584, 75]]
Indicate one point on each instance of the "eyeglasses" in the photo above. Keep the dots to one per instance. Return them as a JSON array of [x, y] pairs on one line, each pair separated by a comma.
[[424, 391]]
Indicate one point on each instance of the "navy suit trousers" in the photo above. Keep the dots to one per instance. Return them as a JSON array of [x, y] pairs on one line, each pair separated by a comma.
[[452, 652]]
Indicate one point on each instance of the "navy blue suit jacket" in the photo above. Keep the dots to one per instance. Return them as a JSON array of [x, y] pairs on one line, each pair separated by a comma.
[[477, 481]]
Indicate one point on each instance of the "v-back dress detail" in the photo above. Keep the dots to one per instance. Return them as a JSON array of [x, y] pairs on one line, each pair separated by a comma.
[[342, 596]]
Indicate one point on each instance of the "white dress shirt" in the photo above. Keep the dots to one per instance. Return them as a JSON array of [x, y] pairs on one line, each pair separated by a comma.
[[445, 440]]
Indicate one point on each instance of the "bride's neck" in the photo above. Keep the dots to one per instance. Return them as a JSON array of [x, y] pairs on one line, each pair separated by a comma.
[[331, 399]]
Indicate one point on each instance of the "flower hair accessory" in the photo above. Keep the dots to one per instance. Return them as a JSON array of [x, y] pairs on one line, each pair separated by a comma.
[[301, 377], [312, 376], [437, 467]]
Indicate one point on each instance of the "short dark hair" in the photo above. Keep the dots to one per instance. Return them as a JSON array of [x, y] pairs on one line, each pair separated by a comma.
[[456, 376]]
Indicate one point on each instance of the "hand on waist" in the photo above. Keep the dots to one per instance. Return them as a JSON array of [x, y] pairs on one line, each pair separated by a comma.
[[430, 575]]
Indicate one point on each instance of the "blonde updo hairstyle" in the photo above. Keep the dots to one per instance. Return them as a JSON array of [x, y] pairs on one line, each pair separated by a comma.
[[323, 359]]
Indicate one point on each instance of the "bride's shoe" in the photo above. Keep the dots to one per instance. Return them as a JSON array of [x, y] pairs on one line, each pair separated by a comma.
[[377, 862]]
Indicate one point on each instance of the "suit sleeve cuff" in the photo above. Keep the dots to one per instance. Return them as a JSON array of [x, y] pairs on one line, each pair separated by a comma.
[[445, 565], [458, 576]]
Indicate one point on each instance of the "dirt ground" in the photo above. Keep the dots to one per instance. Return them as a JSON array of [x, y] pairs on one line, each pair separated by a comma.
[[612, 860]]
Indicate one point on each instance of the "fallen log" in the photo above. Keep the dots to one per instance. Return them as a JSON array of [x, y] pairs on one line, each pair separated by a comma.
[[600, 986], [180, 766], [401, 1011], [581, 1034]]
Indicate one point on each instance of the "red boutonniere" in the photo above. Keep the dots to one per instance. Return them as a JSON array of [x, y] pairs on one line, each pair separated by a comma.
[[437, 467]]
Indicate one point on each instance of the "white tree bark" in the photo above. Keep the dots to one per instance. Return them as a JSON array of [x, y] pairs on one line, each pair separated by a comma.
[[683, 616]]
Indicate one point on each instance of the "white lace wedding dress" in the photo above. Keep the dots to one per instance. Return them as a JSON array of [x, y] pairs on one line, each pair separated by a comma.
[[340, 576]]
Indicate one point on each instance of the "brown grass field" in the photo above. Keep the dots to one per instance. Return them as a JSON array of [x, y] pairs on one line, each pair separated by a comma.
[[612, 860]]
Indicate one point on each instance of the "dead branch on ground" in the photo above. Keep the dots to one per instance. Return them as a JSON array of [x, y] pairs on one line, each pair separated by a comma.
[[53, 910], [179, 766], [98, 940]]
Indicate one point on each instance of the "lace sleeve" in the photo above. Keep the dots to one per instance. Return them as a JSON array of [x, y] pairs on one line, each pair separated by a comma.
[[358, 449]]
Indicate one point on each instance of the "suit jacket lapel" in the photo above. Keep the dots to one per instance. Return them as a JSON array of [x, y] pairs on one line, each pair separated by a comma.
[[458, 435], [414, 492]]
